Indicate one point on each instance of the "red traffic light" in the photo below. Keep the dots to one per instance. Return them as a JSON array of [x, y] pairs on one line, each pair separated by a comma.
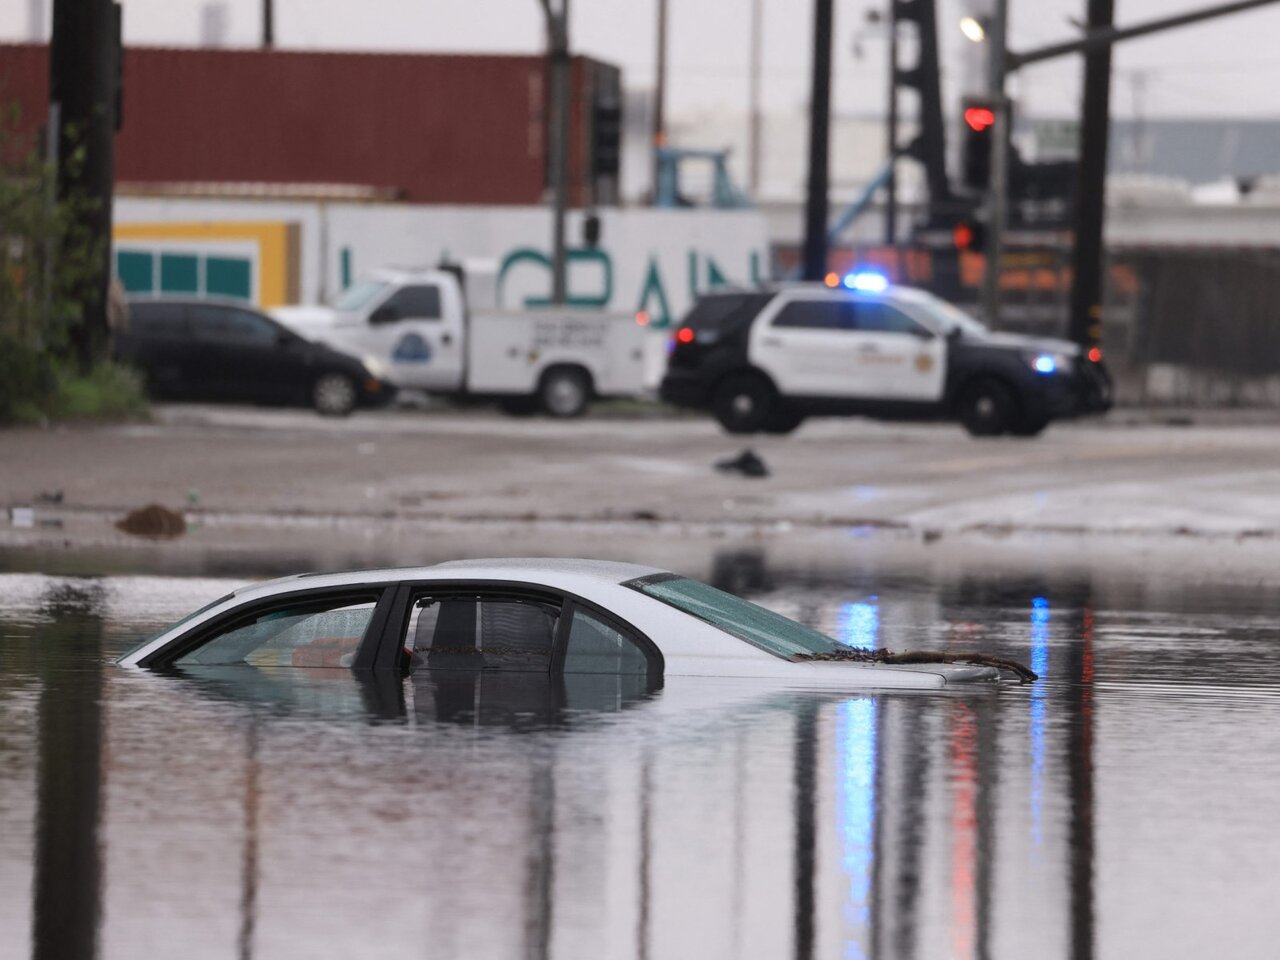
[[962, 236], [979, 118]]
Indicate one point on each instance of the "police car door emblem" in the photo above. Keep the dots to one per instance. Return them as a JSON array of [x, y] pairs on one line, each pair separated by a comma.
[[924, 362]]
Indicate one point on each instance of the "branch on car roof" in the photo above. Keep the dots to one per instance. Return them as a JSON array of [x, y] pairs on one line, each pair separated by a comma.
[[884, 655]]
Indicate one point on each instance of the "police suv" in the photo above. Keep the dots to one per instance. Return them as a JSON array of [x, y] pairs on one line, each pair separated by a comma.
[[766, 359]]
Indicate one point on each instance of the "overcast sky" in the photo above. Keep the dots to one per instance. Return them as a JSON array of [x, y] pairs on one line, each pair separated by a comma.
[[1227, 67]]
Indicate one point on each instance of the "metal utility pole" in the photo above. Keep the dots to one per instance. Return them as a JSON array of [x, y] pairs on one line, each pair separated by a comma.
[[815, 213], [1085, 318], [753, 96], [660, 91], [82, 95], [998, 194], [891, 181], [268, 23], [558, 141], [35, 20]]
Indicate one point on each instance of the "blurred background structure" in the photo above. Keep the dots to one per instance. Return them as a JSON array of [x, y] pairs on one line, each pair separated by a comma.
[[309, 144]]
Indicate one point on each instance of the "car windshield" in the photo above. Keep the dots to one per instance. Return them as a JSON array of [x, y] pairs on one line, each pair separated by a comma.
[[181, 623], [357, 297], [951, 317], [763, 628]]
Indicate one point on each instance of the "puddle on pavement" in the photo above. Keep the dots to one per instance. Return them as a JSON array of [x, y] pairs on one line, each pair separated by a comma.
[[1123, 805]]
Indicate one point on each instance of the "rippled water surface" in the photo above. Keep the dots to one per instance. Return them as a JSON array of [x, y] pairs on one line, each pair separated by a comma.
[[1123, 806]]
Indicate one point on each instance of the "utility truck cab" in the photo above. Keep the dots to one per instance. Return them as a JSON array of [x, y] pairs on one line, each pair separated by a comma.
[[440, 331]]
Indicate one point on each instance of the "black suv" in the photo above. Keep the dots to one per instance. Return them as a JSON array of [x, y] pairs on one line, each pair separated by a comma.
[[766, 359], [197, 349]]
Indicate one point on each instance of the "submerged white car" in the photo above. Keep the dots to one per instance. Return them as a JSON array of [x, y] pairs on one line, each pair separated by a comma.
[[537, 616]]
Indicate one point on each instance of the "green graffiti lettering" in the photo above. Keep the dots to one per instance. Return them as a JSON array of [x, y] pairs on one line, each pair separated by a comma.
[[595, 300], [659, 313], [715, 278]]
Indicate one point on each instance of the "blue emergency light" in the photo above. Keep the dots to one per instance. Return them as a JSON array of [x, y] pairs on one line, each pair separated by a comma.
[[867, 281], [1045, 363]]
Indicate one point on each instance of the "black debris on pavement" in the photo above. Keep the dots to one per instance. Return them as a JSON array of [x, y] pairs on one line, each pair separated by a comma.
[[747, 463]]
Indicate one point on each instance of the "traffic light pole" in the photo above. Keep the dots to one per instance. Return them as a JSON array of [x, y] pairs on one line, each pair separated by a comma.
[[815, 212], [82, 82], [558, 140], [998, 195], [1085, 318]]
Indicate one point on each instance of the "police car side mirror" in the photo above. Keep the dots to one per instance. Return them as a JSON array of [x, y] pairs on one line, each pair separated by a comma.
[[955, 333]]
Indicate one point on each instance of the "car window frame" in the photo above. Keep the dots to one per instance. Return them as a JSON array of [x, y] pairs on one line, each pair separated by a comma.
[[372, 641], [921, 331], [390, 655], [840, 302]]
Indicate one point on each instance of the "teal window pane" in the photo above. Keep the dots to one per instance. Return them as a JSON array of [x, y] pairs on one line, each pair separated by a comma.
[[135, 270], [227, 277], [179, 273]]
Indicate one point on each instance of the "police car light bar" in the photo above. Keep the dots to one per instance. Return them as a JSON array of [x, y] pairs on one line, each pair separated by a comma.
[[867, 282]]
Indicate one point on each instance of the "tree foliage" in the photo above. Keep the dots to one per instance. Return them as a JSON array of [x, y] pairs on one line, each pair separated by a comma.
[[47, 257]]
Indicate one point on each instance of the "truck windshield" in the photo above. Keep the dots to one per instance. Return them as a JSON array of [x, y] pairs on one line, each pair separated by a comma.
[[357, 297], [771, 632]]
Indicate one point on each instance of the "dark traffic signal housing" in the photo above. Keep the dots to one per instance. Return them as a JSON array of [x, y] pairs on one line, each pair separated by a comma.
[[606, 136]]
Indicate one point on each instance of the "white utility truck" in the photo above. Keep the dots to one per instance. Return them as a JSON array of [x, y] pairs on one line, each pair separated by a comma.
[[440, 331]]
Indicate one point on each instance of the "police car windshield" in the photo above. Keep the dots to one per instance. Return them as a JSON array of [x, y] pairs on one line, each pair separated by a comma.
[[355, 298], [951, 318]]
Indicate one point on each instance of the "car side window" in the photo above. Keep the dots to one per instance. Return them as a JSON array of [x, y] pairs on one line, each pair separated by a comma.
[[304, 634], [482, 633], [816, 315], [876, 317], [421, 302], [228, 325], [596, 646]]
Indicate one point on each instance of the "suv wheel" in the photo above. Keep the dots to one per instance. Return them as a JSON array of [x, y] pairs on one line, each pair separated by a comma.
[[744, 403], [565, 392], [1029, 426], [988, 408], [334, 395], [783, 420]]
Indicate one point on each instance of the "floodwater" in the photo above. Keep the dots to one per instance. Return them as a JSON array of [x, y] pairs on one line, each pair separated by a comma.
[[1122, 806]]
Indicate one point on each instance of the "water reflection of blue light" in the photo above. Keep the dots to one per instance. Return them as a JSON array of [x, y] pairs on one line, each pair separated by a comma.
[[859, 624], [856, 815], [1039, 708]]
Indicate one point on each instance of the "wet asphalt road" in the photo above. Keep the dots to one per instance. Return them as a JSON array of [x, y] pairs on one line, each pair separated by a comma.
[[1215, 480]]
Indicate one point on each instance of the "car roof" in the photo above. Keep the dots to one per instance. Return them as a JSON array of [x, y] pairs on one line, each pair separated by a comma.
[[567, 574]]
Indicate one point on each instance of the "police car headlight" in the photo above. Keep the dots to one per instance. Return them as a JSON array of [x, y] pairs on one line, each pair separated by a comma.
[[1049, 362], [375, 366]]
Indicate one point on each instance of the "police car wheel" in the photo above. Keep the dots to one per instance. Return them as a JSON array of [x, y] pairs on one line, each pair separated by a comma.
[[988, 409], [564, 393], [783, 421], [1029, 426], [334, 395], [743, 404]]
